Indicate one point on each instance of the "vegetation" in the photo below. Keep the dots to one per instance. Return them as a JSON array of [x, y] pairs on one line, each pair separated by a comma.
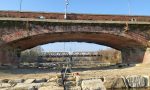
[[31, 55], [107, 56]]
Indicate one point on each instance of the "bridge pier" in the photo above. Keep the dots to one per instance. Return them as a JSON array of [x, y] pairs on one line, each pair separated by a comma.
[[136, 55], [8, 56]]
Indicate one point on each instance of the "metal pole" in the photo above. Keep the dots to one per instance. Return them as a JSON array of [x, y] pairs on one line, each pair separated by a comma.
[[66, 6], [21, 5], [129, 7]]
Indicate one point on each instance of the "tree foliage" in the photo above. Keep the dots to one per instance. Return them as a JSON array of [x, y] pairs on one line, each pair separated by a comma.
[[31, 55]]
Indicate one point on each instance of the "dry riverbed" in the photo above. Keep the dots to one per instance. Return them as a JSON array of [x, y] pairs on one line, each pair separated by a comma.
[[84, 73]]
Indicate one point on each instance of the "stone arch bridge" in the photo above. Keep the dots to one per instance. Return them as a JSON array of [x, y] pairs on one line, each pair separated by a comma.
[[23, 30]]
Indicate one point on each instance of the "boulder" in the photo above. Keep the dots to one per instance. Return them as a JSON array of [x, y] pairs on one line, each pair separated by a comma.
[[115, 82], [4, 81], [74, 88], [51, 88], [78, 81], [40, 80], [5, 85], [70, 83], [136, 81], [52, 80], [60, 82], [92, 84], [16, 81], [29, 81], [147, 81], [25, 86]]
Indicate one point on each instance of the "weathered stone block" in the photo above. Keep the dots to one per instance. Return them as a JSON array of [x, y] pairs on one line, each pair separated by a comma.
[[16, 81], [136, 81], [25, 86], [70, 83], [92, 84], [4, 81], [52, 80], [115, 82], [78, 81], [51, 88], [40, 80], [29, 81], [60, 82], [147, 80], [5, 85], [74, 88]]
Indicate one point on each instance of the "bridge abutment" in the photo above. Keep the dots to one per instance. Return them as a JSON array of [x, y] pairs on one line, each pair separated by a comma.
[[135, 55], [8, 56]]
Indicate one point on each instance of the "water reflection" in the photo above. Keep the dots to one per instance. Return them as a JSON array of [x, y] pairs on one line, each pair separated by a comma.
[[132, 89]]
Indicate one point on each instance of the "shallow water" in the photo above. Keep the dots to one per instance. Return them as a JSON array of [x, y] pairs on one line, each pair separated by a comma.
[[132, 89]]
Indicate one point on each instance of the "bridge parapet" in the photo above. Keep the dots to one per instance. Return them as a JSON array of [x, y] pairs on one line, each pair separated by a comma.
[[73, 16]]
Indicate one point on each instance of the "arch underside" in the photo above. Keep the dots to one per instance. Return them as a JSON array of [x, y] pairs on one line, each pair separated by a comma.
[[110, 40]]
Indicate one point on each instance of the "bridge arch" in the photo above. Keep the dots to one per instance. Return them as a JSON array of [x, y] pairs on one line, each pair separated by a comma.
[[26, 34]]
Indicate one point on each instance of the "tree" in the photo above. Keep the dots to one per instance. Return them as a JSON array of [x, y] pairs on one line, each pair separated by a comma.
[[32, 54]]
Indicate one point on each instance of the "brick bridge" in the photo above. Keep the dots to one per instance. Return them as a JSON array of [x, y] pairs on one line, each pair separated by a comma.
[[23, 30]]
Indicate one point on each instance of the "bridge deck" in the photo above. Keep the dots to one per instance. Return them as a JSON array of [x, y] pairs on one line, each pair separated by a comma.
[[72, 16], [72, 21]]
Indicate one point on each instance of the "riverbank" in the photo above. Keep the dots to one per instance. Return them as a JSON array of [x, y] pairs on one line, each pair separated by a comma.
[[112, 77]]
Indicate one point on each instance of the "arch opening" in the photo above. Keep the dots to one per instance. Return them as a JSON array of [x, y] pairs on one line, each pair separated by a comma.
[[79, 55]]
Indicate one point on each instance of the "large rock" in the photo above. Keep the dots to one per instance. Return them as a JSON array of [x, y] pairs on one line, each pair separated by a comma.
[[29, 81], [78, 81], [74, 88], [136, 81], [14, 82], [40, 80], [92, 84], [52, 80], [4, 85], [115, 82], [51, 88], [70, 83], [4, 81], [60, 82], [23, 86], [147, 80]]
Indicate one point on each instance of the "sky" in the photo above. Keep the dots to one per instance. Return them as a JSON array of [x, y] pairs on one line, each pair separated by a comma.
[[123, 7]]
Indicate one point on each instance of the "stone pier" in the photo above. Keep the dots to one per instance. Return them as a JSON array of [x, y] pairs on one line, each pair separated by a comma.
[[135, 55]]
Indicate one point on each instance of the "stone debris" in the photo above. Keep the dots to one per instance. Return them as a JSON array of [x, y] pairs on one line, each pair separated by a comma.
[[136, 81], [132, 81], [14, 82], [52, 80], [26, 86], [51, 88], [5, 85], [4, 81], [40, 80], [116, 82], [29, 80], [78, 80], [74, 88], [60, 82], [92, 84]]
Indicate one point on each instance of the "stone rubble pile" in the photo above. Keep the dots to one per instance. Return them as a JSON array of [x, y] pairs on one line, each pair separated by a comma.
[[75, 83]]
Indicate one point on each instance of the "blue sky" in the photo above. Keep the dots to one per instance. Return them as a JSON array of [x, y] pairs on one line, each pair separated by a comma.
[[135, 7]]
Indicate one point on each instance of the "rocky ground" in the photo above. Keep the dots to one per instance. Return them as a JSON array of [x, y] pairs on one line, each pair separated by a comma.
[[116, 72], [23, 79]]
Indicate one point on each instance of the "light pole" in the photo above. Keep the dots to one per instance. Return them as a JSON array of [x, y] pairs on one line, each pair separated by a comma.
[[66, 7], [20, 5], [129, 7]]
